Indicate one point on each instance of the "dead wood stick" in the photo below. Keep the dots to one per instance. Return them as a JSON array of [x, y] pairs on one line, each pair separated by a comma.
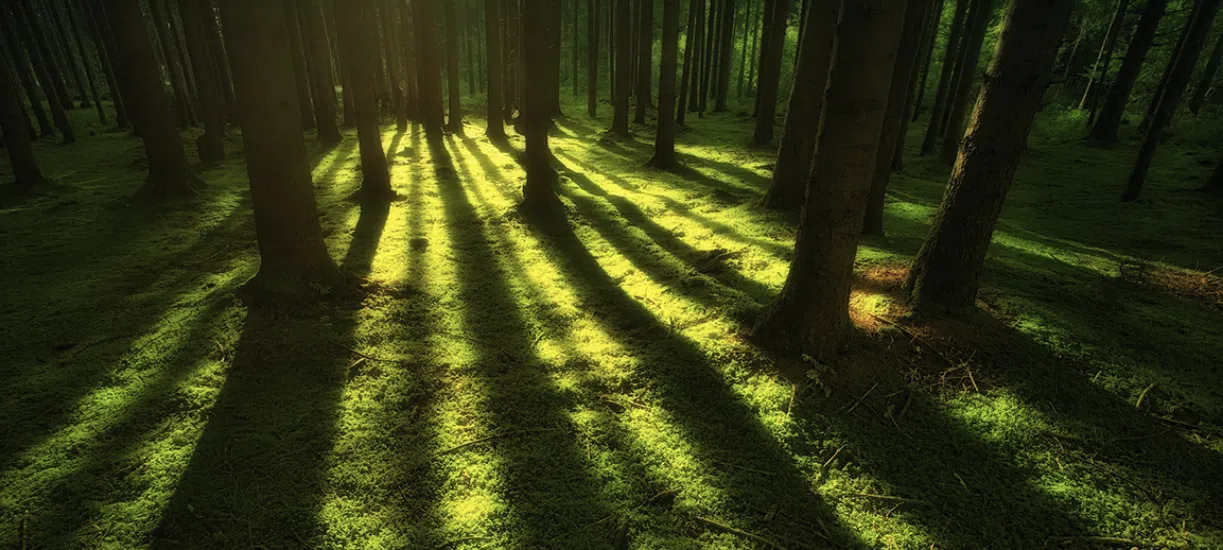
[[890, 498], [719, 526]]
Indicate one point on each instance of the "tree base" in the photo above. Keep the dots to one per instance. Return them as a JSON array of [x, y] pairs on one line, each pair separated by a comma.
[[663, 163], [266, 288], [166, 188]]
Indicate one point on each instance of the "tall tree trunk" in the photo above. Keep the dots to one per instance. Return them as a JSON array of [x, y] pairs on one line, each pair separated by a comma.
[[592, 52], [1108, 123], [513, 58], [798, 139], [407, 47], [664, 143], [141, 82], [1208, 76], [576, 50], [555, 59], [540, 29], [645, 61], [454, 80], [951, 52], [931, 37], [958, 106], [686, 78], [211, 145], [1099, 70], [492, 22], [917, 82], [14, 127], [46, 43], [1157, 95], [394, 63], [216, 46], [947, 270], [293, 257], [724, 57], [90, 77], [23, 74], [429, 82], [698, 57], [322, 82], [894, 119], [624, 66], [468, 15], [40, 53], [361, 56], [59, 33], [770, 73], [301, 79], [708, 54], [811, 316], [178, 78], [751, 56], [748, 19], [104, 43], [1178, 80]]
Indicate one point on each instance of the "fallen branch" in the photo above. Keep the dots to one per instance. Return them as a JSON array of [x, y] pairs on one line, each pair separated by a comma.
[[719, 526], [1113, 541], [889, 498]]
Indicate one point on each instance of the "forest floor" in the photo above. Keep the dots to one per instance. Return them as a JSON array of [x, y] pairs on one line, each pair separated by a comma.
[[501, 386]]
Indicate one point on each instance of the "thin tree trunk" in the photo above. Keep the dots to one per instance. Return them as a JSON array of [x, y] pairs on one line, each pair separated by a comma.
[[70, 57], [664, 143], [90, 78], [210, 145], [492, 22], [301, 79], [1163, 80], [322, 80], [748, 18], [724, 58], [950, 52], [1178, 80], [178, 80], [1208, 76], [793, 167], [13, 125], [947, 270], [1108, 124], [931, 37], [104, 43], [751, 56], [577, 87], [624, 66], [39, 52], [645, 61], [394, 63], [468, 15], [23, 74], [1099, 70], [361, 56], [429, 82], [407, 47], [770, 74], [592, 52], [686, 78], [708, 55], [1074, 50], [513, 56], [811, 316], [958, 107], [698, 58], [454, 80], [540, 31]]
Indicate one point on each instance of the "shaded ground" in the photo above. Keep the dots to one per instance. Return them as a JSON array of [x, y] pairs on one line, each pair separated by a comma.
[[508, 386]]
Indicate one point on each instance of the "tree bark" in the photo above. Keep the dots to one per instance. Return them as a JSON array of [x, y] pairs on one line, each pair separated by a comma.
[[178, 78], [645, 61], [513, 59], [361, 56], [24, 76], [969, 58], [16, 132], [496, 102], [141, 82], [539, 26], [216, 46], [1208, 76], [686, 79], [211, 145], [1108, 123], [946, 273], [104, 43], [454, 79], [592, 52], [1099, 70], [749, 17], [1178, 80], [751, 57], [301, 79], [429, 82], [793, 167], [293, 257], [697, 37], [895, 117], [724, 57], [90, 78], [770, 73], [664, 143], [811, 316], [43, 40], [623, 68], [59, 32], [322, 80], [951, 51], [39, 53], [931, 37], [708, 55], [1163, 80]]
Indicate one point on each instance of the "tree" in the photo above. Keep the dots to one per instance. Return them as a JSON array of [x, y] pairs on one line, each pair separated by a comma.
[[945, 275], [394, 62], [141, 83], [293, 257], [592, 65], [645, 60], [538, 25], [429, 79], [15, 129], [894, 119], [183, 99], [39, 52], [811, 316], [1099, 70], [297, 52], [322, 82], [1208, 76], [950, 52], [1178, 80], [1108, 123], [361, 56], [624, 66], [21, 72], [686, 72], [664, 142], [90, 77], [104, 43], [492, 23], [797, 150], [770, 70], [970, 55], [455, 124], [211, 145], [724, 57]]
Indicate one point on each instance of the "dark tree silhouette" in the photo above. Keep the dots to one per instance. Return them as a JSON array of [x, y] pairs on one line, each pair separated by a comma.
[[104, 43], [592, 64], [538, 25], [664, 142], [726, 46], [645, 60], [211, 145], [429, 79], [950, 52], [1108, 123], [90, 77], [361, 56], [1208, 76], [13, 126], [454, 84], [39, 53], [966, 72], [947, 270], [770, 70], [1099, 70], [293, 256], [811, 316], [297, 50], [624, 67], [496, 101], [23, 74], [322, 82]]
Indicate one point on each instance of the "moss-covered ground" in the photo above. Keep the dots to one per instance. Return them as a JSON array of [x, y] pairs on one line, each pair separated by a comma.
[[502, 386]]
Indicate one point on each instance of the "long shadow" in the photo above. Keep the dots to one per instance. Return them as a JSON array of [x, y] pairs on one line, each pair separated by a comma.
[[546, 478], [688, 387]]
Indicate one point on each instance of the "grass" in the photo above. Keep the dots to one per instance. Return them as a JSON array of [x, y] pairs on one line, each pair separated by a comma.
[[502, 386]]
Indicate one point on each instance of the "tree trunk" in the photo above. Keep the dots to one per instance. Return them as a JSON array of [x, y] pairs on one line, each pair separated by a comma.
[[394, 62], [708, 55], [42, 40], [492, 22], [22, 73], [39, 53], [749, 17], [407, 47], [301, 80], [104, 43], [539, 25], [686, 79], [917, 82], [1178, 80], [211, 145], [958, 106], [1099, 70], [1163, 80], [141, 82], [577, 88], [178, 78], [951, 51], [645, 61], [216, 46], [513, 58], [623, 67], [555, 59], [1108, 123], [797, 149], [1208, 76], [811, 316], [927, 56], [664, 143], [592, 52], [361, 56], [770, 73], [724, 57], [59, 32], [90, 78], [468, 15], [947, 270], [322, 82], [16, 132], [293, 257], [697, 37], [454, 80], [429, 82], [751, 56], [894, 119]]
